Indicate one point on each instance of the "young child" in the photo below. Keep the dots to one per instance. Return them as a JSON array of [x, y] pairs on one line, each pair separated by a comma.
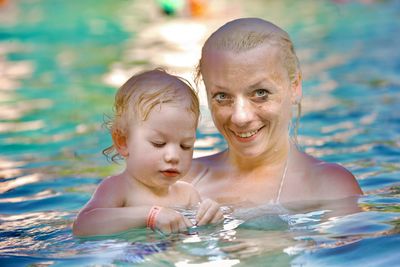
[[154, 129]]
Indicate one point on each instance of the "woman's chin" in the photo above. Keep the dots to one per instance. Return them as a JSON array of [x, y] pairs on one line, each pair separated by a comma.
[[248, 153], [248, 148]]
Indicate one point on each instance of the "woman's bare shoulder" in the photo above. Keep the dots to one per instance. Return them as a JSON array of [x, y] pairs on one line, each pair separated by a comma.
[[332, 180]]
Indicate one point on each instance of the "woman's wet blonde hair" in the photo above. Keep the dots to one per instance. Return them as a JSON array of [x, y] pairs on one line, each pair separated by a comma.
[[140, 94], [247, 33]]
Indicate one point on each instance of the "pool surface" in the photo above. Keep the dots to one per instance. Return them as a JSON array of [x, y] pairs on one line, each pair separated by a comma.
[[60, 64]]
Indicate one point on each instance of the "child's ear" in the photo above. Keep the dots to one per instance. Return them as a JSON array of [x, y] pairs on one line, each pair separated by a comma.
[[120, 142]]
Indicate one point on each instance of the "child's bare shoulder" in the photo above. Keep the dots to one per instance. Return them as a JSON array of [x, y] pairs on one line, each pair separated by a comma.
[[109, 193], [115, 182], [112, 187]]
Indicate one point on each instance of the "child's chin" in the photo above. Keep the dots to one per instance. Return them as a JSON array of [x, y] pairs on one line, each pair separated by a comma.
[[169, 182]]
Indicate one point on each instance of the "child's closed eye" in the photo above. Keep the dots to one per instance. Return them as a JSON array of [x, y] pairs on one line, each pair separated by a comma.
[[186, 147], [158, 144]]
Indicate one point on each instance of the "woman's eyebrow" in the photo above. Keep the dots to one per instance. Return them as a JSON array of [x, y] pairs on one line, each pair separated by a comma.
[[262, 84], [219, 87]]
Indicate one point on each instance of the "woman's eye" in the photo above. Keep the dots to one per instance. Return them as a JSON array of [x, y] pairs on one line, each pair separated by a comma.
[[221, 97], [261, 94], [158, 144]]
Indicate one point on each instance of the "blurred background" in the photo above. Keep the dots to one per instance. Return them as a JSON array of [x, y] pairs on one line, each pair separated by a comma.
[[62, 61]]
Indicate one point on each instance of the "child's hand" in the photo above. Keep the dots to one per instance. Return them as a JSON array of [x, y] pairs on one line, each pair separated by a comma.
[[209, 212], [170, 221]]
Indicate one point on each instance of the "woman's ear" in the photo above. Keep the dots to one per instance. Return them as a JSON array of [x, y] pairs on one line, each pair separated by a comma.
[[297, 89], [120, 142]]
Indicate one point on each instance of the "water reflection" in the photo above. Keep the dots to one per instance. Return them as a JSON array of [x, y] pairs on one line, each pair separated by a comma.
[[22, 180], [20, 126], [232, 242], [39, 196], [25, 233], [14, 111]]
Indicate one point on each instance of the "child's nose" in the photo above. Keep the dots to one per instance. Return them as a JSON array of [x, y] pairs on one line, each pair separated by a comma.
[[171, 155]]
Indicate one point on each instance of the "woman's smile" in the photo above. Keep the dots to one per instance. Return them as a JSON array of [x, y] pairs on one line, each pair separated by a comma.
[[246, 136]]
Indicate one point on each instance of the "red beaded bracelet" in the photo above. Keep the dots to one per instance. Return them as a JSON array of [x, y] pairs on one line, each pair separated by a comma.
[[151, 218]]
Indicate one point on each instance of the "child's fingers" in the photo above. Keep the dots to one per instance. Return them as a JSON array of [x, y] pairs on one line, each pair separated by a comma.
[[179, 223], [182, 226], [209, 215], [168, 221], [184, 223], [201, 211], [187, 222], [219, 216], [166, 229], [174, 226], [171, 221]]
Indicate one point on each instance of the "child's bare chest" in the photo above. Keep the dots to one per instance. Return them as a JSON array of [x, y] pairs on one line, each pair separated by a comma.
[[150, 199]]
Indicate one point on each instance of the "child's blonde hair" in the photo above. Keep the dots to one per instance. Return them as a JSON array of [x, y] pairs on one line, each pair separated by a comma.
[[137, 97]]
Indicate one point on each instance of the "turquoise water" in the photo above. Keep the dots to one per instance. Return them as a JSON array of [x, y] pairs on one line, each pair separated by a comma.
[[60, 63]]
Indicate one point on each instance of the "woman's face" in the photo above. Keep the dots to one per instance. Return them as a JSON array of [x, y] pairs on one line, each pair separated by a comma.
[[250, 97]]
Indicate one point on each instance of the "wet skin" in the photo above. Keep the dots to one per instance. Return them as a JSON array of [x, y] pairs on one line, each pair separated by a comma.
[[251, 98]]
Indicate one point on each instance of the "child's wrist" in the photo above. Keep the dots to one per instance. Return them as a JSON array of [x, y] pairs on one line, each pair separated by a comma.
[[151, 217]]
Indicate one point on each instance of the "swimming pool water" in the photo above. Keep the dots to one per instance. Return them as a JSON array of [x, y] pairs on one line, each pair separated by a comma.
[[60, 63]]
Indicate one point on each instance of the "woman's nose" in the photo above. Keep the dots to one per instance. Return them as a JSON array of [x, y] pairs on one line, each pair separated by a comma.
[[242, 112], [171, 155]]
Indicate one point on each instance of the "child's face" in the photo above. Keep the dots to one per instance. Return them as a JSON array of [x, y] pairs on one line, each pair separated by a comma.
[[160, 149]]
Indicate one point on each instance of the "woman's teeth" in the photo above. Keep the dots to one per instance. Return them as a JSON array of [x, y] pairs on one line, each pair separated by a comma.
[[246, 135]]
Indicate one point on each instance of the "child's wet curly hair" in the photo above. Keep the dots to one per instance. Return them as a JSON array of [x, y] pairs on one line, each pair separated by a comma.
[[137, 97]]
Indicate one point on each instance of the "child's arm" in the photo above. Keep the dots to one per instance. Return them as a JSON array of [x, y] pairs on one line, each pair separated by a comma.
[[105, 213]]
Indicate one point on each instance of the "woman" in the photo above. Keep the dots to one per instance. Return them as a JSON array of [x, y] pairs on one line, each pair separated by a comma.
[[253, 79]]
